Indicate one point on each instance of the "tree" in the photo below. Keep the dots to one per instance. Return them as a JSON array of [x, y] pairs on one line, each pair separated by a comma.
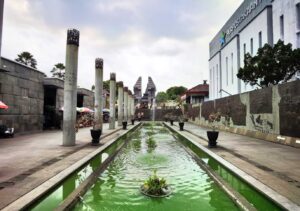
[[106, 85], [27, 59], [271, 65], [59, 71], [175, 92], [161, 97]]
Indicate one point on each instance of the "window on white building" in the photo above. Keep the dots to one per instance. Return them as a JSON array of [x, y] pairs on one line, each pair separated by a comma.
[[210, 79], [298, 40], [232, 68], [251, 46], [217, 70], [227, 71], [282, 27], [245, 49], [214, 84], [298, 15], [260, 39]]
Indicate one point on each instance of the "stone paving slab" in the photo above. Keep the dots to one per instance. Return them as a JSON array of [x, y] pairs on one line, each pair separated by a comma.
[[275, 165], [27, 161]]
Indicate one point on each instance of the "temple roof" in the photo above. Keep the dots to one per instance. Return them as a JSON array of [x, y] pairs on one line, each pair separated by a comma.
[[138, 84], [150, 84]]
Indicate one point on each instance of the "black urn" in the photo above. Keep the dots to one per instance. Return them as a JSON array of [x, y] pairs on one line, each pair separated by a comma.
[[96, 136], [212, 138], [181, 125], [124, 125]]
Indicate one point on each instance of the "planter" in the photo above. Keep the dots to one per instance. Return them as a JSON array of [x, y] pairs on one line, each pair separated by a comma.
[[181, 124], [124, 125], [172, 121], [132, 121], [166, 192], [212, 138], [96, 136]]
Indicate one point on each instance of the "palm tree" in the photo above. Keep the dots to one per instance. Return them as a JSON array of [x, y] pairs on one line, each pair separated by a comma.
[[59, 71], [27, 59]]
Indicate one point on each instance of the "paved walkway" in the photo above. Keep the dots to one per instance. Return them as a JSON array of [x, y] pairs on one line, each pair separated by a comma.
[[276, 165], [28, 152], [28, 161]]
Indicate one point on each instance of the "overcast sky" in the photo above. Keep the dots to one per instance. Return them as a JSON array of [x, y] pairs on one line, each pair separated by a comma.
[[165, 39]]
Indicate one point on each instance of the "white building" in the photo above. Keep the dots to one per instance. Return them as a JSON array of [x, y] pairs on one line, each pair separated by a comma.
[[253, 24]]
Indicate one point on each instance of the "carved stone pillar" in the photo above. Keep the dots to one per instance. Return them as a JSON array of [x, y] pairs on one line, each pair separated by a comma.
[[70, 88]]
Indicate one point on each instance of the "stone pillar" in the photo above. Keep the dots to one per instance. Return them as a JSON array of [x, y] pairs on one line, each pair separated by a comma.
[[120, 103], [1, 22], [125, 104], [129, 105], [132, 107], [98, 116], [70, 88], [112, 101]]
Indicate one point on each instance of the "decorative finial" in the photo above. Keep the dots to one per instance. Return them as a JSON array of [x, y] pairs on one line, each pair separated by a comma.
[[120, 84], [73, 37], [113, 76], [99, 63]]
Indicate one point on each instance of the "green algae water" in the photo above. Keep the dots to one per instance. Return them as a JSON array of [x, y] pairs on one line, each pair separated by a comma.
[[154, 148], [60, 193], [257, 199]]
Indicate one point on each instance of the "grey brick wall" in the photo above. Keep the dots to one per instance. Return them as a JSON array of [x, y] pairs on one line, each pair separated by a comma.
[[21, 88]]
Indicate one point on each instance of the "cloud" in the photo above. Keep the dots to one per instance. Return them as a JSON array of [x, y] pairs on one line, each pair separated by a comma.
[[167, 40]]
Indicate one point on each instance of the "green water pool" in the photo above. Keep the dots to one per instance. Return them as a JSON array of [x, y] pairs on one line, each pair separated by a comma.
[[153, 147], [117, 188]]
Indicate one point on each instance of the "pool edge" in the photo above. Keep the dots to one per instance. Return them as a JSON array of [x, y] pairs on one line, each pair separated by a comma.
[[38, 192], [271, 194]]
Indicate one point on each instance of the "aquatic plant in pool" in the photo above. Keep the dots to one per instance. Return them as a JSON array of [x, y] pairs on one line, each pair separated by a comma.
[[151, 144], [155, 186]]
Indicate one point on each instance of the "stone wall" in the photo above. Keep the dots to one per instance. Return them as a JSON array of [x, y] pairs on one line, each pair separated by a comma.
[[21, 88], [271, 114], [160, 114]]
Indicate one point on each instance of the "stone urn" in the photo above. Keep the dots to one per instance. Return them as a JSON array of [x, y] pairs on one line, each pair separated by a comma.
[[124, 125], [212, 138], [96, 136], [181, 125], [132, 121]]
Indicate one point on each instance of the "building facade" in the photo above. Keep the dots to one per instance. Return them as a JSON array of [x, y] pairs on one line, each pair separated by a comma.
[[34, 100], [197, 94], [254, 23]]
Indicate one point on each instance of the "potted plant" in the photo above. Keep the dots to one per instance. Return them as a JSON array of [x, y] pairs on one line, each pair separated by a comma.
[[155, 187], [213, 135], [96, 131], [167, 117], [172, 118], [124, 123], [181, 122]]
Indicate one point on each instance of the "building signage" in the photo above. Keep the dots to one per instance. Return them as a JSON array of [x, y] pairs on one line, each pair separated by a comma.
[[253, 5]]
